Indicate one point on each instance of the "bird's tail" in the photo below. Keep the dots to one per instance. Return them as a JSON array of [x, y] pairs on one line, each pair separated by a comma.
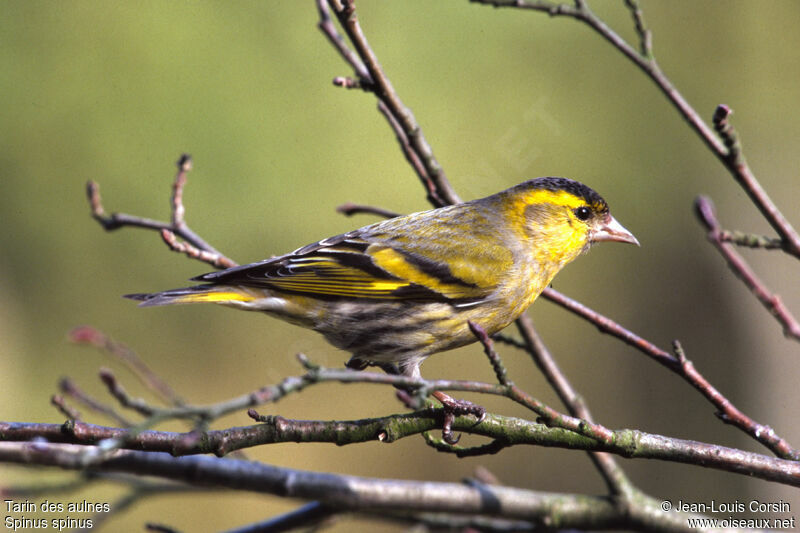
[[190, 295]]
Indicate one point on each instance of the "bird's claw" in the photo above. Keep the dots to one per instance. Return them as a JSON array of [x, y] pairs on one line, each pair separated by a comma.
[[452, 409]]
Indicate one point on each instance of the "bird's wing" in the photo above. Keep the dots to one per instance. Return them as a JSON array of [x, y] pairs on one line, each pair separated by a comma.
[[370, 264]]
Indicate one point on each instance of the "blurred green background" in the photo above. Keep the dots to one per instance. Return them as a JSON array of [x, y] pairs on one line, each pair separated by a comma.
[[115, 92]]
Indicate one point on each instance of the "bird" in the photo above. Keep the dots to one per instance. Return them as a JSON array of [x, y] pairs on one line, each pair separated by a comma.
[[398, 291]]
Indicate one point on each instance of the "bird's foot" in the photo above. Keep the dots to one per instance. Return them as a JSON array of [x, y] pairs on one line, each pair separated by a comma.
[[452, 409]]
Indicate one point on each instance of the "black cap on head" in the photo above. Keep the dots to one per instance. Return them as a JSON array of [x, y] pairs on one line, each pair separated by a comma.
[[571, 186]]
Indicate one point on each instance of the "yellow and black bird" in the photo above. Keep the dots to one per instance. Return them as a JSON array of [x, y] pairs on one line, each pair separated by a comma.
[[398, 291]]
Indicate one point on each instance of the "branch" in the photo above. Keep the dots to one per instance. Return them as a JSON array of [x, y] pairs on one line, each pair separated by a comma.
[[372, 77], [194, 246], [305, 517], [738, 167], [364, 494], [684, 368], [350, 209], [725, 147], [494, 358], [632, 444], [704, 208], [68, 387], [94, 337], [558, 430], [614, 476]]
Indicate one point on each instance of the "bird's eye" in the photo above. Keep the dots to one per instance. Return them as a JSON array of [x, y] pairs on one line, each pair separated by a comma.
[[583, 213]]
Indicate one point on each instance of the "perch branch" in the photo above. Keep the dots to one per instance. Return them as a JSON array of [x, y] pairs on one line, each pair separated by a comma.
[[628, 443]]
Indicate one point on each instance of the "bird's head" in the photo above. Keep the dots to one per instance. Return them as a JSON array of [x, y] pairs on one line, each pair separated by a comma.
[[561, 218]]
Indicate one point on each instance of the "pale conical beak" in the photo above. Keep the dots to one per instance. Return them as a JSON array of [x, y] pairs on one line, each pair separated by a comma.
[[611, 230]]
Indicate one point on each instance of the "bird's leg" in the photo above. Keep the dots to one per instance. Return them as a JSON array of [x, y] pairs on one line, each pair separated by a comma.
[[452, 409], [451, 406], [403, 395]]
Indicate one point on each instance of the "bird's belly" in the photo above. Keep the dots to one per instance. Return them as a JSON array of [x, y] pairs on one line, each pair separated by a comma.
[[392, 333]]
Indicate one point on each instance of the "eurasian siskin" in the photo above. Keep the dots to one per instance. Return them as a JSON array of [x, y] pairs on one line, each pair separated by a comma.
[[395, 292]]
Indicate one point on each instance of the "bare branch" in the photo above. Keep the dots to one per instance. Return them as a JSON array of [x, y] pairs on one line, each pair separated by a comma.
[[612, 473], [305, 516], [738, 167], [194, 243], [363, 494], [368, 69], [725, 147], [119, 393], [728, 412], [558, 430], [488, 348], [69, 388], [214, 259], [749, 240], [704, 208], [98, 339], [327, 27], [645, 36], [58, 402]]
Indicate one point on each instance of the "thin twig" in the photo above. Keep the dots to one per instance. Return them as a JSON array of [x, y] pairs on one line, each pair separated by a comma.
[[177, 226], [511, 341], [328, 28], [750, 240], [704, 208], [416, 147], [612, 473], [488, 348], [349, 209], [183, 247], [118, 350], [70, 412], [351, 83], [119, 393], [68, 387], [737, 165], [178, 211], [645, 36]]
